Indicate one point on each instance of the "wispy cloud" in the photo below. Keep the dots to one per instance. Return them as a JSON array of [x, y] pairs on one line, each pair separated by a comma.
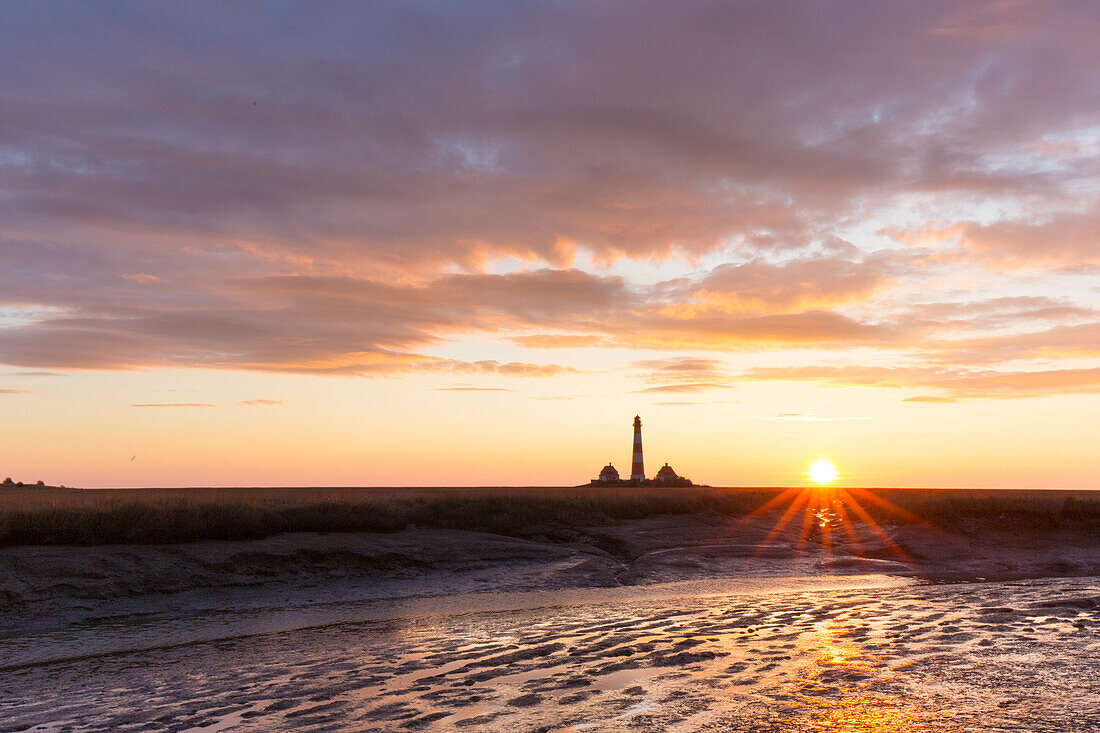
[[682, 374], [259, 403], [552, 397], [683, 387], [931, 400], [472, 389], [954, 384], [803, 417], [559, 341], [174, 404]]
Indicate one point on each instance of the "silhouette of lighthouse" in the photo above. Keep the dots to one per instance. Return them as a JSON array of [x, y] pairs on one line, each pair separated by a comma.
[[637, 470]]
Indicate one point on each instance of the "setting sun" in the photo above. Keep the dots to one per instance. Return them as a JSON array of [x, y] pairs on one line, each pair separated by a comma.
[[822, 471]]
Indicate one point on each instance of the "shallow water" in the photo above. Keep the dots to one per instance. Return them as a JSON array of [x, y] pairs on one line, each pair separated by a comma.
[[816, 654], [192, 618]]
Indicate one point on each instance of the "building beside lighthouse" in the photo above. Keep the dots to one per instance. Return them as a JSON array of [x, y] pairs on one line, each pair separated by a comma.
[[608, 475], [665, 476]]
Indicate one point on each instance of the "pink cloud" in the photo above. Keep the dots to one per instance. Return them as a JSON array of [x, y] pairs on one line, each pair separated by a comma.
[[340, 193], [954, 384]]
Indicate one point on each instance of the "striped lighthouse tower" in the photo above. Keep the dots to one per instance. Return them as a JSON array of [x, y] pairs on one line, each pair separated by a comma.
[[637, 469]]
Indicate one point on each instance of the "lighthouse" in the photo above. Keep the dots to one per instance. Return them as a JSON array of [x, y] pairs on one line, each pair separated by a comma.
[[637, 469], [666, 477]]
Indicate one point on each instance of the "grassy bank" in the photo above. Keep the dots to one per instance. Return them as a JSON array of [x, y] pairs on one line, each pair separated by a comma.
[[148, 516], [164, 519]]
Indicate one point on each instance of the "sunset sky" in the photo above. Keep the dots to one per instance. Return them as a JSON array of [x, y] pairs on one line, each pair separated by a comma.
[[465, 243]]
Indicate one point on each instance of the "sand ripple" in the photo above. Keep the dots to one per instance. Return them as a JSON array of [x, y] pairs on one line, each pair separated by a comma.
[[967, 657]]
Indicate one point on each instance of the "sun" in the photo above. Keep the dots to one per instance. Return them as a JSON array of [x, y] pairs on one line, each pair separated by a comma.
[[822, 471]]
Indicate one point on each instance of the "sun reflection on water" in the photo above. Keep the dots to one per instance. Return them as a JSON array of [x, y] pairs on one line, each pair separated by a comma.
[[845, 690]]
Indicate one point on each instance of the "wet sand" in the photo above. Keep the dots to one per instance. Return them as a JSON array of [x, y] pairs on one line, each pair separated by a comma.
[[960, 657], [676, 623]]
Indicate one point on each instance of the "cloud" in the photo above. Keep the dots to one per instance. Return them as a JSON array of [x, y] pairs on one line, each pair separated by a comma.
[[954, 383], [1065, 237], [558, 341], [467, 388], [684, 387], [345, 193], [1000, 312], [1062, 243], [352, 325], [514, 368], [931, 400], [815, 283], [811, 328], [307, 324], [13, 391], [679, 367], [1059, 342], [259, 403], [682, 374], [369, 135], [175, 404], [803, 417]]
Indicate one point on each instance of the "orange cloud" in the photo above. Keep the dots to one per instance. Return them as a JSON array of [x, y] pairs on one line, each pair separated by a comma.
[[954, 384], [449, 195], [558, 341]]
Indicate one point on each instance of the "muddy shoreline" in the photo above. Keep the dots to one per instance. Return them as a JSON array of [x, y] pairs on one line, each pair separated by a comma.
[[670, 622], [40, 586]]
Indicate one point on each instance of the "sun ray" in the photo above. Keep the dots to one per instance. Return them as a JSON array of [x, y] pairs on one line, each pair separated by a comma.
[[904, 515], [875, 528], [783, 521], [807, 523], [826, 541], [846, 525], [889, 506], [850, 531], [837, 512], [773, 502]]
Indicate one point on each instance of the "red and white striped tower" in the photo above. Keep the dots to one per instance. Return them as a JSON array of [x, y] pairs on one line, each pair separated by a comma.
[[637, 470]]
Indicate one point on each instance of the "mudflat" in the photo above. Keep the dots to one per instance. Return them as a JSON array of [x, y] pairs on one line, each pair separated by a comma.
[[764, 618]]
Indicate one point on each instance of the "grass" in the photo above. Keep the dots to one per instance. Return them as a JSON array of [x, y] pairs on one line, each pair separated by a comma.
[[170, 516], [1024, 512], [56, 516]]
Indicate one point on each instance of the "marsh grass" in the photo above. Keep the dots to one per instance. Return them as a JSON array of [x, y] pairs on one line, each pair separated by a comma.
[[1024, 512], [158, 516], [235, 514]]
